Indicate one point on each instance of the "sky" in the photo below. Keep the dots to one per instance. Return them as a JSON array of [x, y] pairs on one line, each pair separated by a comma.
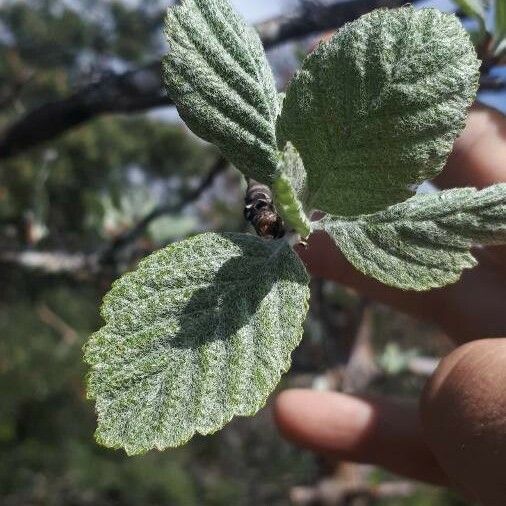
[[259, 10]]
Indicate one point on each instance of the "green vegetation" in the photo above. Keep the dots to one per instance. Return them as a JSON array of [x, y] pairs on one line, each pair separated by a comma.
[[75, 197]]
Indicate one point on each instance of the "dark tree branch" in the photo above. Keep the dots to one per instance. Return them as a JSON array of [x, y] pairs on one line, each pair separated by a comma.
[[133, 91], [490, 83], [141, 89], [315, 17]]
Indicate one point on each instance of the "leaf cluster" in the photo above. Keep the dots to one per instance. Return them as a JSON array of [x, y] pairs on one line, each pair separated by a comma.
[[203, 329]]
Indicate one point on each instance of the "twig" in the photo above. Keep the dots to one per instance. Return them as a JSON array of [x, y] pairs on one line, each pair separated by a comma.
[[134, 233], [361, 369], [333, 492], [316, 17], [141, 89], [133, 91], [81, 264], [51, 319]]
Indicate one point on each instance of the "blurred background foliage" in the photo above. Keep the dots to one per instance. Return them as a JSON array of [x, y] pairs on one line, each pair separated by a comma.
[[77, 196]]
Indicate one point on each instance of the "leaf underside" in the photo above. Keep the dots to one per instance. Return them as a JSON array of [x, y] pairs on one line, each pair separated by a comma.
[[424, 242], [376, 110], [199, 333], [217, 74]]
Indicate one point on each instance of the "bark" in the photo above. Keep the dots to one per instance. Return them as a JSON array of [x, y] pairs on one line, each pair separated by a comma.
[[141, 89]]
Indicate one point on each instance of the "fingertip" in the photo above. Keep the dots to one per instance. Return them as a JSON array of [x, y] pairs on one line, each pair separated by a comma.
[[285, 411], [326, 422], [466, 370], [382, 432], [464, 418]]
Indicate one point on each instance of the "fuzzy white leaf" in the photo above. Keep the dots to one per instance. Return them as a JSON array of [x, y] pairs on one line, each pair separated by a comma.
[[377, 108], [199, 333], [424, 242], [217, 74]]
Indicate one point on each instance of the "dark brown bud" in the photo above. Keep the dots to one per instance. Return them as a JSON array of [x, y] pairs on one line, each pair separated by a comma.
[[260, 211]]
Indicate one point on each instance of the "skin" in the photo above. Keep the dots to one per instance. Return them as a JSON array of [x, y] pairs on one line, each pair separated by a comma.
[[456, 434]]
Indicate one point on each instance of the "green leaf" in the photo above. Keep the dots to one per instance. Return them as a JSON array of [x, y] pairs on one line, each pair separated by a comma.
[[290, 207], [217, 74], [376, 110], [292, 166], [475, 9], [289, 190], [424, 242], [500, 27], [199, 333]]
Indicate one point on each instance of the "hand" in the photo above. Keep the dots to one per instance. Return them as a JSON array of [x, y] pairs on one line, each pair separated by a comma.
[[456, 435]]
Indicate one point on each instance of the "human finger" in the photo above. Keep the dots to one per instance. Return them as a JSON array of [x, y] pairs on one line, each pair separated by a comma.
[[463, 414], [474, 306], [382, 432]]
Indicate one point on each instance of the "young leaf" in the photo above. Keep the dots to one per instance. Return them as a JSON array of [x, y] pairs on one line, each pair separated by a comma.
[[217, 75], [290, 207], [199, 333], [475, 9], [292, 167], [500, 27], [424, 242], [289, 189], [377, 108]]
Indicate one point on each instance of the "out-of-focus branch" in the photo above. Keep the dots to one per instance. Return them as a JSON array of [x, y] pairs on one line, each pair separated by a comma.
[[51, 319], [50, 262], [491, 83], [361, 369], [134, 233], [133, 91], [314, 17], [80, 264], [141, 89], [332, 491]]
